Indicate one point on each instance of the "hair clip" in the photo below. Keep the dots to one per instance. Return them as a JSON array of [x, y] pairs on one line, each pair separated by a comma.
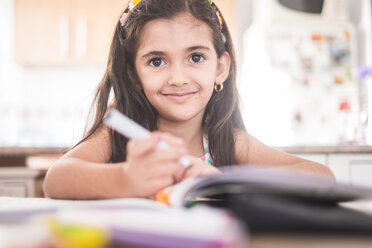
[[131, 6], [219, 18], [123, 18], [214, 7]]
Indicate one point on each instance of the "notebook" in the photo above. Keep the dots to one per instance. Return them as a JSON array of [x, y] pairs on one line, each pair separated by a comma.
[[271, 200]]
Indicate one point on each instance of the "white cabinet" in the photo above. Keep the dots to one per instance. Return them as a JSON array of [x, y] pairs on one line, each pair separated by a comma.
[[352, 168], [18, 182]]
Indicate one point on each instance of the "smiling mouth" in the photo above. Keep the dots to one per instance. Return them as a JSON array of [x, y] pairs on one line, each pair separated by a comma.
[[179, 97]]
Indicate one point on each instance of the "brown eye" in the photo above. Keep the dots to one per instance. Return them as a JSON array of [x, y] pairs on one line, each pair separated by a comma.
[[196, 58], [156, 62]]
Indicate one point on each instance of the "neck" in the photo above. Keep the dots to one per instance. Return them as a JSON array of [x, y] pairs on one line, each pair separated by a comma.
[[190, 131]]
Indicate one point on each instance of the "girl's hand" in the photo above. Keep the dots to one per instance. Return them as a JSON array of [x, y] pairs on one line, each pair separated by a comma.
[[199, 168], [151, 168]]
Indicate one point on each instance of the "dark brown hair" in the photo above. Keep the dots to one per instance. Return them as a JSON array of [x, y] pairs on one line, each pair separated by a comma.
[[119, 86]]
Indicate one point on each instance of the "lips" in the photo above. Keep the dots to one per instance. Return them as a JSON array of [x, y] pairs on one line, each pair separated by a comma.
[[179, 96]]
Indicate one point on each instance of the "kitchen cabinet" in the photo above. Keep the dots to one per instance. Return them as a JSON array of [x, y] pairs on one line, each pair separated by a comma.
[[72, 32], [350, 168], [22, 169], [64, 32], [19, 182]]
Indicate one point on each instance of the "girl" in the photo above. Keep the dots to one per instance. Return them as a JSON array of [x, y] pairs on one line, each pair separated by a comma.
[[172, 69]]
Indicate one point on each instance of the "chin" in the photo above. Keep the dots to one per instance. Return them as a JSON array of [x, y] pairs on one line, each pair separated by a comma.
[[181, 116]]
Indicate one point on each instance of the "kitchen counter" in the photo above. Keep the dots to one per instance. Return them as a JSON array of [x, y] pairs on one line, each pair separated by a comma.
[[13, 152], [14, 156], [19, 151], [349, 163], [327, 149], [22, 156]]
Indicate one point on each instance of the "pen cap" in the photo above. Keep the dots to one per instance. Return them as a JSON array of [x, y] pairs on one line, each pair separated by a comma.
[[125, 126]]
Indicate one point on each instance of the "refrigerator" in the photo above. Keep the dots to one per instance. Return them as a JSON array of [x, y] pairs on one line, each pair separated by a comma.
[[300, 80]]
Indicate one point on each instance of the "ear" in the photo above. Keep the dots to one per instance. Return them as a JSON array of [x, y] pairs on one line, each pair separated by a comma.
[[223, 68]]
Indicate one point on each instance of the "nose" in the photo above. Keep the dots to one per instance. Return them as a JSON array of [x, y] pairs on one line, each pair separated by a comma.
[[178, 75]]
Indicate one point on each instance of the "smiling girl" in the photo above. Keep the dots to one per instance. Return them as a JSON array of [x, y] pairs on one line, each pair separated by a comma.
[[172, 69]]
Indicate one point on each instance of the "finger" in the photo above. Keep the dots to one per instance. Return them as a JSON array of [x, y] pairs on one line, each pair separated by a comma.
[[170, 169], [179, 174], [201, 169], [157, 158], [161, 183], [162, 141], [137, 147], [168, 154], [194, 169], [171, 140], [191, 172]]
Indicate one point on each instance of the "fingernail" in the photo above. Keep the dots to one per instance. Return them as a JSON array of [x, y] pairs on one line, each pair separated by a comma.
[[162, 145], [186, 163], [159, 137]]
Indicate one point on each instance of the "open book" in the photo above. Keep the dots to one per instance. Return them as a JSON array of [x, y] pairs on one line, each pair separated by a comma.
[[255, 180], [277, 200]]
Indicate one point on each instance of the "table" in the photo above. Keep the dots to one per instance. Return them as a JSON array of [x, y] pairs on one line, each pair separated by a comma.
[[34, 231]]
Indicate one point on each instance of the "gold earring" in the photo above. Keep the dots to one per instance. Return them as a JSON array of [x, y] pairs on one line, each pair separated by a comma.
[[218, 87]]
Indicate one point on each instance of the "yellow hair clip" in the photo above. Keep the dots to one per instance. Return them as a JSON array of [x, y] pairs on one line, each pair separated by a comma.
[[133, 4]]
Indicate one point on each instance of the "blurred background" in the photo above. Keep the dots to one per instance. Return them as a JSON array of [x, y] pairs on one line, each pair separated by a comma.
[[304, 71], [300, 66], [304, 74]]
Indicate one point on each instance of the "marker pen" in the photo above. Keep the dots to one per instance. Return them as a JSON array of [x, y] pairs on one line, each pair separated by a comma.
[[132, 130]]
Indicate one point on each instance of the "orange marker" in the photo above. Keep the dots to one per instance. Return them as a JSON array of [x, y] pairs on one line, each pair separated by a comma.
[[163, 196]]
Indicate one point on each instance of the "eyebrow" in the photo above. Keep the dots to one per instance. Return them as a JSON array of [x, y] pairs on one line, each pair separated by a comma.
[[159, 53], [193, 48], [151, 54]]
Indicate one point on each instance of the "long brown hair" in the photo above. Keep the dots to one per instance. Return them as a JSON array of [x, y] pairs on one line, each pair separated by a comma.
[[120, 86]]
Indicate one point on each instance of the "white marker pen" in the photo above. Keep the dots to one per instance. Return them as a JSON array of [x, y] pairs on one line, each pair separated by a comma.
[[132, 130]]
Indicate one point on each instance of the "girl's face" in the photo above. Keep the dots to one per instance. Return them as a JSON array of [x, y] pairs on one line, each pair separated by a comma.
[[177, 64]]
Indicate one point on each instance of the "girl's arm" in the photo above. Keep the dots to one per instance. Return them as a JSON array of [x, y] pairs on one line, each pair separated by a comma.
[[84, 172], [250, 151], [73, 178]]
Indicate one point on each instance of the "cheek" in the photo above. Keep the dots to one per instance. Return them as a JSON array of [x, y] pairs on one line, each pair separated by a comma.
[[150, 82], [207, 81], [151, 85], [207, 75], [149, 91]]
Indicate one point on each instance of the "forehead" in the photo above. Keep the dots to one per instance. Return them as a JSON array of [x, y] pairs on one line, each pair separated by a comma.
[[179, 32]]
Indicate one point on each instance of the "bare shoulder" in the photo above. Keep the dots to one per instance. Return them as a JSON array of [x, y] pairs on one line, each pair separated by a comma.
[[95, 149]]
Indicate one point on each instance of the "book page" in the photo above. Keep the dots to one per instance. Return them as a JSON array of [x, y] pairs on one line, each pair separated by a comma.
[[14, 207]]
